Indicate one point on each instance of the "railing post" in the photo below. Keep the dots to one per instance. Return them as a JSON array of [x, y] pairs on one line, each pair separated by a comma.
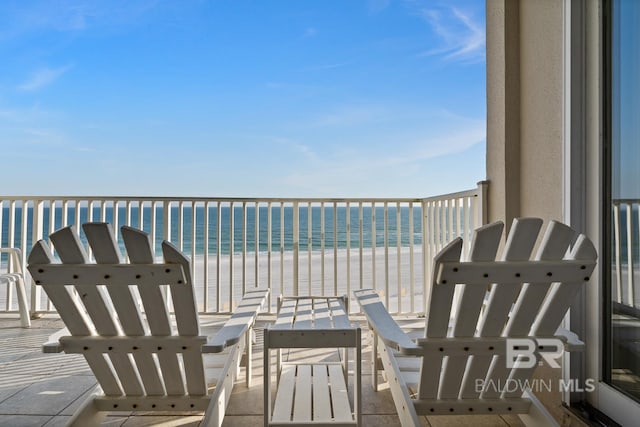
[[36, 234], [296, 246], [166, 216], [483, 204]]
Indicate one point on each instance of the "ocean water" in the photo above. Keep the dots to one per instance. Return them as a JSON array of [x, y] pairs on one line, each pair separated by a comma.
[[332, 238]]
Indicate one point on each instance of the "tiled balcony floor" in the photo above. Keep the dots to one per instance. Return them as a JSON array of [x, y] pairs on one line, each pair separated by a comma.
[[45, 389]]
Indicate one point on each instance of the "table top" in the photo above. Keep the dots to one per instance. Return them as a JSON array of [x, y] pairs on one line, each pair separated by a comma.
[[312, 313]]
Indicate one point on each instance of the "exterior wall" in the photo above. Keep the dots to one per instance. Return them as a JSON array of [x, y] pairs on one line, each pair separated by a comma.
[[525, 131], [525, 108]]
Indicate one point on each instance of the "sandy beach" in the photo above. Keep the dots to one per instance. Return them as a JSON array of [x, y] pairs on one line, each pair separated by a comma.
[[335, 273]]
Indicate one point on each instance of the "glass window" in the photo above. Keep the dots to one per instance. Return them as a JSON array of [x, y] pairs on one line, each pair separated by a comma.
[[622, 350]]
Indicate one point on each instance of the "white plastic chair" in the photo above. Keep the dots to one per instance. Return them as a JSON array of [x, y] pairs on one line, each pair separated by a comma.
[[14, 276]]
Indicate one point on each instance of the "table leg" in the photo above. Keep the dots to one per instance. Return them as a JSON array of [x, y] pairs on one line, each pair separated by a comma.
[[267, 379]]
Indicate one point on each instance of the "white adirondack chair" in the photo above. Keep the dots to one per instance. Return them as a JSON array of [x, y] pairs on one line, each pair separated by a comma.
[[461, 365], [142, 361], [14, 275]]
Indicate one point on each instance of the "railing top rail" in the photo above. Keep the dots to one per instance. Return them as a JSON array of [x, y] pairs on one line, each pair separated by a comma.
[[456, 195], [216, 199], [619, 201]]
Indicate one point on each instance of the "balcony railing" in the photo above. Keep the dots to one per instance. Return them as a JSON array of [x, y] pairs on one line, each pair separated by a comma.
[[294, 246], [625, 252]]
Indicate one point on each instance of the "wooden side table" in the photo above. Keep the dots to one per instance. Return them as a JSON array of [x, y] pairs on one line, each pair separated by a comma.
[[314, 393]]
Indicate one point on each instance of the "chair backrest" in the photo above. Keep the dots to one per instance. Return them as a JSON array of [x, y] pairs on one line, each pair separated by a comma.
[[100, 306], [513, 295]]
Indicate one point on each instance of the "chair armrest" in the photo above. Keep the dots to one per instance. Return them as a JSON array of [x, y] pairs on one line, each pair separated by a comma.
[[53, 344], [242, 319], [381, 322], [15, 264], [571, 340]]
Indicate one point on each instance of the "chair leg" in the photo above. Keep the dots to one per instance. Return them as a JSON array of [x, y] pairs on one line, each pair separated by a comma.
[[25, 320], [538, 415], [88, 414]]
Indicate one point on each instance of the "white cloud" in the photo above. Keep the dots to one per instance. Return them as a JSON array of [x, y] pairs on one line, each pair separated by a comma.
[[43, 77], [463, 38], [392, 162]]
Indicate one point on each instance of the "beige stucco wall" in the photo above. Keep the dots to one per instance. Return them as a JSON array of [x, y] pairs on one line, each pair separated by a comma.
[[525, 121], [525, 108]]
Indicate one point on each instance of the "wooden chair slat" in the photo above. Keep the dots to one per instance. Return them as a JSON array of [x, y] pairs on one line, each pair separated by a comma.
[[93, 297], [553, 247], [70, 310], [139, 250], [184, 301], [149, 374], [484, 247], [194, 373], [106, 251], [522, 238], [439, 301], [560, 298], [127, 373], [440, 306], [520, 242], [104, 374], [68, 246], [171, 373]]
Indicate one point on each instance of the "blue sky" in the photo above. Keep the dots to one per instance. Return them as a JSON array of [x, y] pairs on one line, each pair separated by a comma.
[[297, 98]]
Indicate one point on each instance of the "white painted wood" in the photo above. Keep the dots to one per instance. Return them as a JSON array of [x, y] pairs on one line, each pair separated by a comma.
[[339, 395], [184, 301], [484, 246], [321, 312], [222, 393], [554, 245], [439, 305], [534, 314], [139, 250], [88, 414], [106, 251], [240, 322], [304, 314], [286, 315], [283, 406], [339, 313], [321, 397], [310, 394], [522, 237], [94, 298], [123, 362], [15, 275], [302, 401]]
